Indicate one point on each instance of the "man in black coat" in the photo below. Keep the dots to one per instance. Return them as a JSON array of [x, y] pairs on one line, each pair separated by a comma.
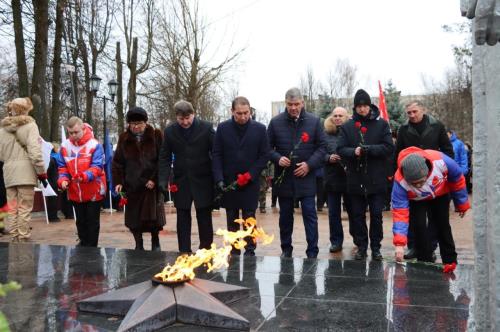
[[188, 142], [335, 179], [240, 146], [365, 144], [426, 132], [297, 134]]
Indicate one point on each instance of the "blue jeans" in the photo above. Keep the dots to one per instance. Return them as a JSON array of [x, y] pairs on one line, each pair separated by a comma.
[[310, 219], [335, 216], [360, 232]]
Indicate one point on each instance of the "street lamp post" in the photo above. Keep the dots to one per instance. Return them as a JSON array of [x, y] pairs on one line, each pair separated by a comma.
[[95, 81]]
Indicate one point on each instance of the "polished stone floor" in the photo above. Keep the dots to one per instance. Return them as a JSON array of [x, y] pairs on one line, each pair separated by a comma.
[[285, 294]]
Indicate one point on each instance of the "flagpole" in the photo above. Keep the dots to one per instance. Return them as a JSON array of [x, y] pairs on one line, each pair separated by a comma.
[[110, 203], [45, 206]]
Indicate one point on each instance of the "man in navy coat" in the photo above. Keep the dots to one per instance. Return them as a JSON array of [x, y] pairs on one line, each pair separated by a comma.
[[240, 146], [298, 174]]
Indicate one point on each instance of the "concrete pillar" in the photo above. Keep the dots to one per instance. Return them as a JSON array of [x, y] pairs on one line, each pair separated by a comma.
[[486, 181]]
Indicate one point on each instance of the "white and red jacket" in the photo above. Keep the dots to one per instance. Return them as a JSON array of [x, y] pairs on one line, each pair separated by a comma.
[[444, 177], [81, 163]]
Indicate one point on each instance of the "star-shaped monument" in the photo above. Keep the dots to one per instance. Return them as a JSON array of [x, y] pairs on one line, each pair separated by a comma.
[[150, 305]]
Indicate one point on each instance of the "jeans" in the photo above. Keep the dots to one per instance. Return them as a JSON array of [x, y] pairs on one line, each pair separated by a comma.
[[360, 230], [310, 219]]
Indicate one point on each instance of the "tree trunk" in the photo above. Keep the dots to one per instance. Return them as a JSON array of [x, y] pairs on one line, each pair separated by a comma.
[[41, 14], [132, 82], [119, 91], [22, 70], [56, 74]]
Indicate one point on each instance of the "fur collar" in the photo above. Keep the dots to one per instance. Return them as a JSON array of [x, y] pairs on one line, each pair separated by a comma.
[[147, 144], [12, 123]]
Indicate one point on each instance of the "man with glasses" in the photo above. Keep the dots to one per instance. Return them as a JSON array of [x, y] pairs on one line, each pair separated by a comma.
[[190, 140], [426, 178], [426, 132]]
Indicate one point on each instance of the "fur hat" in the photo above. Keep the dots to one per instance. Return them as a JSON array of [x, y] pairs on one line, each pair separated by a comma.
[[414, 167], [362, 98], [19, 106], [137, 114]]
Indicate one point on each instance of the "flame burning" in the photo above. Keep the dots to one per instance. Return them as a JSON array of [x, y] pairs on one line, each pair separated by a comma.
[[214, 258]]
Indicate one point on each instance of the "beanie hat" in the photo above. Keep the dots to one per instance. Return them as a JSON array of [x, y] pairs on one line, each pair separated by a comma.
[[19, 106], [414, 167], [137, 114], [362, 98]]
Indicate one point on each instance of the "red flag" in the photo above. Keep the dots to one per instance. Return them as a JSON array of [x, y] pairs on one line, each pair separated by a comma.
[[381, 103]]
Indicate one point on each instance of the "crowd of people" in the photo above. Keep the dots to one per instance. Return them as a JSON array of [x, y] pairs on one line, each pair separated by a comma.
[[357, 159]]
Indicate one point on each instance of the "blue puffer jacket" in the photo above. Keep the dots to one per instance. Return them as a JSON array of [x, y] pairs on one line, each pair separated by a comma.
[[460, 153], [284, 133]]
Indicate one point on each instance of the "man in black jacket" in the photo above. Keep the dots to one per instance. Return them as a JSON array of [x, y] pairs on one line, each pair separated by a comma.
[[426, 132], [240, 147], [190, 141], [298, 142], [365, 144]]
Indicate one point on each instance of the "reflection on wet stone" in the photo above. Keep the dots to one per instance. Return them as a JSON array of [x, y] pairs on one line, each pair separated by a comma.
[[284, 293]]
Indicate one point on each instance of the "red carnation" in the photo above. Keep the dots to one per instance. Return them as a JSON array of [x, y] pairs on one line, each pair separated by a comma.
[[305, 137], [357, 124], [364, 130], [173, 188], [123, 202], [243, 179]]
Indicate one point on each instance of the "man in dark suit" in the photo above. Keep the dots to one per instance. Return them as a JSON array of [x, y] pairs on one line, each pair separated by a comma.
[[240, 147], [190, 140]]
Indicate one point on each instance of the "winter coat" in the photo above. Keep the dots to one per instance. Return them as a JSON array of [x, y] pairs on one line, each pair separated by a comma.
[[368, 173], [233, 155], [434, 137], [335, 176], [21, 151], [85, 156], [460, 153], [444, 177], [3, 192], [134, 164], [284, 134], [192, 169]]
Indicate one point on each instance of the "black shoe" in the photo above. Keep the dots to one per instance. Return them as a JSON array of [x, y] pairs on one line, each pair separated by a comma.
[[320, 209], [54, 220], [335, 248], [235, 252], [410, 254], [273, 205], [286, 254], [262, 210], [377, 255], [249, 252], [360, 255], [155, 243], [433, 258], [312, 256]]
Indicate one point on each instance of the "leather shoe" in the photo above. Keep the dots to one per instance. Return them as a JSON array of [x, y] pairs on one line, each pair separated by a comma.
[[335, 248], [249, 252], [410, 254], [377, 255], [434, 257], [312, 256], [360, 255], [286, 254]]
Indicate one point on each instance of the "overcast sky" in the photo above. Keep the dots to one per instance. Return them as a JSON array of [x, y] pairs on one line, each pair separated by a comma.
[[386, 39]]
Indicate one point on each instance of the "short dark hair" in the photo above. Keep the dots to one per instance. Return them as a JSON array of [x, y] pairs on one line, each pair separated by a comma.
[[183, 108], [239, 101]]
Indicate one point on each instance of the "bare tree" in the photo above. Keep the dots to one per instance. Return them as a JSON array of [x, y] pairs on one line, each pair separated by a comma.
[[119, 92], [131, 42], [22, 70], [185, 69], [342, 80], [309, 88], [56, 71]]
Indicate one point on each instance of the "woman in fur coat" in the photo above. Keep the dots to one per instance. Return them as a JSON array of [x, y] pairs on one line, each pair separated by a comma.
[[135, 170]]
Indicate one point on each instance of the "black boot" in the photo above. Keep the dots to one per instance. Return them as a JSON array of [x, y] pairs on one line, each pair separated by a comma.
[[139, 245], [155, 242]]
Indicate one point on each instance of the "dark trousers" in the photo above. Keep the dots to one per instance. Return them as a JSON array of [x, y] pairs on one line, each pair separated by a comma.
[[205, 228], [320, 193], [310, 219], [231, 216], [335, 216], [52, 207], [88, 216], [375, 202], [431, 228], [440, 222]]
